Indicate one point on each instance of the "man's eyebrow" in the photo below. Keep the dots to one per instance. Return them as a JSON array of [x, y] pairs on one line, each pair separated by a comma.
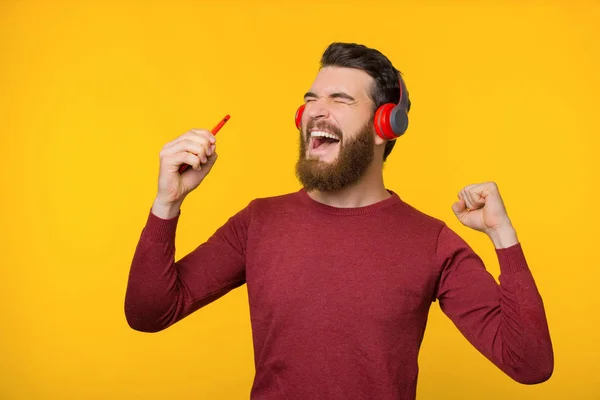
[[338, 95], [342, 95]]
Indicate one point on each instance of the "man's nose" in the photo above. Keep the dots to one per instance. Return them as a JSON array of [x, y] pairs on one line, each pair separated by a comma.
[[317, 109]]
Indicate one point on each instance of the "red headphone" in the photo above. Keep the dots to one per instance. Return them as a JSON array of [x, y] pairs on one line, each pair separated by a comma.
[[391, 120]]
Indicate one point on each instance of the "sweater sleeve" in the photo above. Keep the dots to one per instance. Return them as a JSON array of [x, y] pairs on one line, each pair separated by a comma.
[[505, 322], [161, 291]]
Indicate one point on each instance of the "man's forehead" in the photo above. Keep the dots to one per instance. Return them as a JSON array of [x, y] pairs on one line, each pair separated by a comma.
[[353, 81]]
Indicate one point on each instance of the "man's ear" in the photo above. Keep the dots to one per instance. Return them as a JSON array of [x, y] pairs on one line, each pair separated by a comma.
[[380, 144], [378, 139]]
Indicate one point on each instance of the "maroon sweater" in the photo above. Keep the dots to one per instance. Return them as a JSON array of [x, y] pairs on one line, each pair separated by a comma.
[[339, 297]]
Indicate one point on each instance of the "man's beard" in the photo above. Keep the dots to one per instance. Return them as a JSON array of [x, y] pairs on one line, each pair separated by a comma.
[[354, 158]]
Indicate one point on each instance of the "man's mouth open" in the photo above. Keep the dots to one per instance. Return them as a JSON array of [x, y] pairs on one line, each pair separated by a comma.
[[322, 141]]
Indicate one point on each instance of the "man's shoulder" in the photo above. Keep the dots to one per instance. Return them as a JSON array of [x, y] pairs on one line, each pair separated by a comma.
[[412, 211], [275, 199], [274, 203], [261, 209], [417, 214]]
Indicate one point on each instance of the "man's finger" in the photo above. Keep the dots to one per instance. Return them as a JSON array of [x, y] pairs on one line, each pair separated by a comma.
[[459, 207]]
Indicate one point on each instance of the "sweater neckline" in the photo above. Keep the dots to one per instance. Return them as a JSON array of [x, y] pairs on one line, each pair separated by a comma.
[[349, 211]]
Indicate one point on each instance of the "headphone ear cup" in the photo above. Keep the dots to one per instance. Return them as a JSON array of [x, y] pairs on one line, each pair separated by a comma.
[[398, 120], [299, 113], [382, 121]]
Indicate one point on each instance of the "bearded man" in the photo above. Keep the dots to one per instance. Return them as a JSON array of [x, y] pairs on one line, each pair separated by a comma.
[[342, 273]]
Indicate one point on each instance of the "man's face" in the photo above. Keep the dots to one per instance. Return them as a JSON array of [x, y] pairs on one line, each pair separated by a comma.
[[337, 137]]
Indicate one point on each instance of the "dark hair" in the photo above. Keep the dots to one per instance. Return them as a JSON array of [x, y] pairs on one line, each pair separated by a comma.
[[373, 62]]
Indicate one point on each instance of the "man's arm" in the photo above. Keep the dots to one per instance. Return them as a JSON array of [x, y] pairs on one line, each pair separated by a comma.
[[161, 291], [506, 322]]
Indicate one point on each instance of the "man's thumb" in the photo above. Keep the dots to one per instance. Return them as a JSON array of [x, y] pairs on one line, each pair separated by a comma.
[[459, 207]]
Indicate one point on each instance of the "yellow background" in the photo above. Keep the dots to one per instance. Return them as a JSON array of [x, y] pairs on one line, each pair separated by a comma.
[[90, 91]]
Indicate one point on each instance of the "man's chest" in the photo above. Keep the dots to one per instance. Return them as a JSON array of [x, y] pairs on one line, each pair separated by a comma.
[[349, 276]]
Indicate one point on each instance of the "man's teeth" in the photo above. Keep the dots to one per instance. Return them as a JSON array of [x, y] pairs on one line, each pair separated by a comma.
[[323, 134]]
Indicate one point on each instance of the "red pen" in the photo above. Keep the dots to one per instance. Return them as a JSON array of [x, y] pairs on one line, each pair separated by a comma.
[[214, 131]]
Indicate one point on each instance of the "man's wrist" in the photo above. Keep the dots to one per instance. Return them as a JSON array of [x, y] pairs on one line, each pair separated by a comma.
[[165, 210], [503, 237]]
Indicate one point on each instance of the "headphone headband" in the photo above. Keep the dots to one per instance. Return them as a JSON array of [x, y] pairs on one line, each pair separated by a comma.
[[403, 101]]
